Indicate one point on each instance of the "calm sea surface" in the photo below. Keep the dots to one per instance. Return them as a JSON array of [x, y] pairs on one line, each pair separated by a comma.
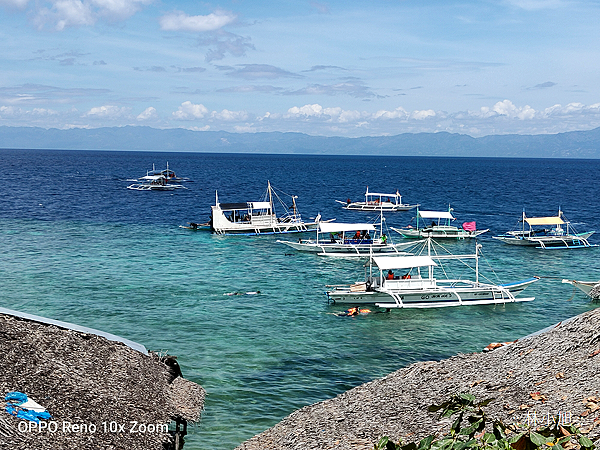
[[78, 246]]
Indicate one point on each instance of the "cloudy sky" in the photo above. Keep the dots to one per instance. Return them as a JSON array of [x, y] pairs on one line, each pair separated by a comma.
[[346, 68]]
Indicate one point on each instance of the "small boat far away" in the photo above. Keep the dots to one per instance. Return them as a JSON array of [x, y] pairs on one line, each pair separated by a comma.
[[158, 180], [440, 227], [546, 233], [375, 201]]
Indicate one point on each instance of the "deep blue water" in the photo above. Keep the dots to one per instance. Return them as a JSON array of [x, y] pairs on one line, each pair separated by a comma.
[[79, 246]]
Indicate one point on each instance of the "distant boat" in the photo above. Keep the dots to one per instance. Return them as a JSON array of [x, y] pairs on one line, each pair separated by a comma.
[[169, 175], [547, 233], [440, 227], [154, 183], [158, 180], [418, 288], [375, 201], [254, 218]]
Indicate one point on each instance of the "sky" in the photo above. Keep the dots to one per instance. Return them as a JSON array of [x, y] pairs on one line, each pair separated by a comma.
[[329, 68]]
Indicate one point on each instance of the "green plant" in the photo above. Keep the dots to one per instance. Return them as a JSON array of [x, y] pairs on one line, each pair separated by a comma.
[[468, 432]]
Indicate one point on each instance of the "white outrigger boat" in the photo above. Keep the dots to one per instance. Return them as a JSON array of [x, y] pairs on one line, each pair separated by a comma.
[[375, 201], [440, 227], [587, 287], [348, 239], [154, 183], [252, 218], [547, 233], [418, 288], [167, 173]]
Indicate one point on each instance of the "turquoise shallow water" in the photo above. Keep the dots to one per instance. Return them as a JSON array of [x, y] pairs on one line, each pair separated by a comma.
[[116, 262]]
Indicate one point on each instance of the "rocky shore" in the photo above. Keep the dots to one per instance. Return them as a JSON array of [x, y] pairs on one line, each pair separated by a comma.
[[553, 374], [101, 394]]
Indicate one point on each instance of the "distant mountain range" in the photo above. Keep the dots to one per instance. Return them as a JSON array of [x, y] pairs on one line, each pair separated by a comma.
[[575, 144]]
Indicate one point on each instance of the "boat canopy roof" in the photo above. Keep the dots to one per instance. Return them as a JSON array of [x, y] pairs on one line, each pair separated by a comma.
[[402, 262], [436, 215], [553, 220], [232, 206], [260, 205], [330, 227], [379, 194]]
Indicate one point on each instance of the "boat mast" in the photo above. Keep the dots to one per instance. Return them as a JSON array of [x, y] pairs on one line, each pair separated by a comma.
[[270, 195], [429, 254], [477, 247]]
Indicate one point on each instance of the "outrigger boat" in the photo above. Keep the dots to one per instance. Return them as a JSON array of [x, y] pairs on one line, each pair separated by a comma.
[[158, 180], [587, 287], [440, 227], [348, 239], [155, 183], [167, 173], [547, 232], [375, 201], [254, 218], [418, 288]]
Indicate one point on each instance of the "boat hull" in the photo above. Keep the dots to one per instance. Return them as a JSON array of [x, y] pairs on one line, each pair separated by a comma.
[[344, 249], [440, 296], [438, 232], [567, 241], [584, 286]]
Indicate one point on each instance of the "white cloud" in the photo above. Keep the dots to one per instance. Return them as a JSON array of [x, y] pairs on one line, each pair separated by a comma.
[[107, 111], [74, 13], [420, 115], [148, 114], [506, 108], [43, 112], [9, 111], [190, 111], [66, 13], [119, 9], [230, 116], [20, 4], [306, 110], [398, 113], [179, 21]]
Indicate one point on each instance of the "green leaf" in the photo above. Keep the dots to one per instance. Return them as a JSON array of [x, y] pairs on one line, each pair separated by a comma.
[[470, 398], [489, 438], [486, 402], [382, 443], [499, 430], [463, 445], [411, 446], [585, 442], [434, 408], [514, 438], [449, 412], [537, 439], [426, 442]]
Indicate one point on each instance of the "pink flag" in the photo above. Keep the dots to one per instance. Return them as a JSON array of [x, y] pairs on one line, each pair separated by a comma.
[[469, 226]]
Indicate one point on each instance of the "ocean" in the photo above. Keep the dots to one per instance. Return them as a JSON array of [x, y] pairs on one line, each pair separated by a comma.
[[78, 246]]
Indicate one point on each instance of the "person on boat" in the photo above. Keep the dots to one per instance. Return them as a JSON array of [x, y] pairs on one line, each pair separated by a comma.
[[367, 236], [357, 235], [348, 201], [406, 276], [390, 275], [383, 239]]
